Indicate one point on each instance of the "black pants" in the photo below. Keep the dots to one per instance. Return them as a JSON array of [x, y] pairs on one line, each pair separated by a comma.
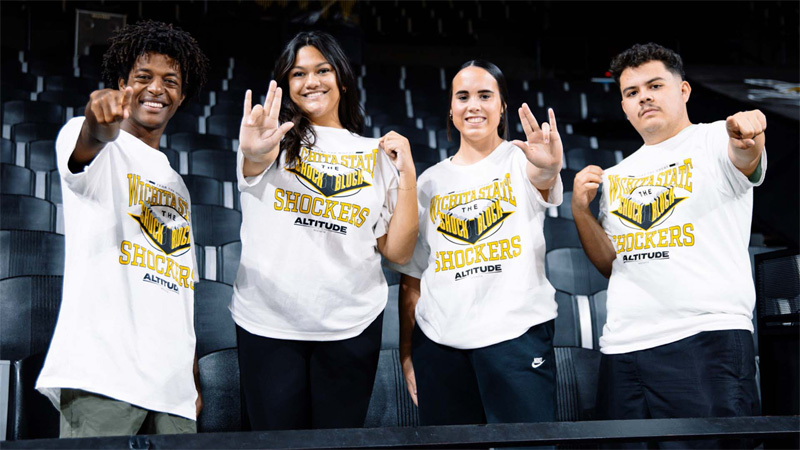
[[710, 374], [290, 385], [509, 382]]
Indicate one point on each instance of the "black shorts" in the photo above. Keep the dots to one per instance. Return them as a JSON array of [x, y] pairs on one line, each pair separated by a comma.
[[710, 374]]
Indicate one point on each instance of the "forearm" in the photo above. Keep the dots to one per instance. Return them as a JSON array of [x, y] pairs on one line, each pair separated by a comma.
[[409, 295], [747, 160], [598, 247], [542, 179], [402, 234]]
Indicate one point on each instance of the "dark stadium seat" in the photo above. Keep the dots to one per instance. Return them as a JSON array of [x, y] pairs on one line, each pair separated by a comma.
[[410, 133], [81, 85], [28, 132], [571, 141], [66, 98], [204, 190], [443, 142], [559, 233], [568, 326], [30, 310], [569, 270], [422, 166], [565, 209], [223, 409], [182, 122], [31, 414], [42, 156], [21, 212], [8, 152], [200, 257], [390, 404], [234, 96], [576, 383], [214, 164], [187, 142], [213, 324], [228, 257], [568, 179], [565, 104], [25, 252], [224, 125], [16, 180], [54, 187], [215, 225], [230, 109], [578, 158], [20, 111]]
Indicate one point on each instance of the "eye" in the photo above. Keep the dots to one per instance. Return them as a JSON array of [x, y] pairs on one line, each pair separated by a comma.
[[656, 86], [324, 70], [297, 74], [461, 97], [631, 93], [486, 96]]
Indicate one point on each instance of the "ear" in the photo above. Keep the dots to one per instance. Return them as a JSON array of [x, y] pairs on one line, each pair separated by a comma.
[[686, 91], [121, 84]]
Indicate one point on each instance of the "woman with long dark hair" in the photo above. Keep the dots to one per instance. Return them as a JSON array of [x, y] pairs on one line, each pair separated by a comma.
[[476, 311], [320, 205]]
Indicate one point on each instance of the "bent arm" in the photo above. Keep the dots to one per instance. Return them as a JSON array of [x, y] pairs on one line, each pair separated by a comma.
[[598, 247], [397, 245]]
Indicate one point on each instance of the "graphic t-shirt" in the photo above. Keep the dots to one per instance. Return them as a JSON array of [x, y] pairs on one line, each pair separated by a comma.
[[480, 252], [310, 267], [678, 214], [126, 325]]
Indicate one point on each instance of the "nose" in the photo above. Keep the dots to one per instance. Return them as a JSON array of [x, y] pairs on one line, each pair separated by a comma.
[[645, 97], [473, 104], [312, 80], [156, 86]]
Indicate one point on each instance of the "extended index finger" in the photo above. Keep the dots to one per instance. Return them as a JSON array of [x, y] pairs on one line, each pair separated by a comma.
[[529, 115], [248, 103], [270, 96], [552, 114]]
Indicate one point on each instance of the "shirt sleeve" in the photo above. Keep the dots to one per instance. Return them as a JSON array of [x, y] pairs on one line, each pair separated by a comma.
[[245, 183], [732, 181], [390, 180], [81, 183]]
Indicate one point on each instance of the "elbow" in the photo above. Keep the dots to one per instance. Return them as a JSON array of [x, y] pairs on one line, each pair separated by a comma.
[[400, 257]]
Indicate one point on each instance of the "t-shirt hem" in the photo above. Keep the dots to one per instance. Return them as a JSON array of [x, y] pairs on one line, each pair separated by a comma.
[[493, 336], [273, 333], [652, 343], [52, 390]]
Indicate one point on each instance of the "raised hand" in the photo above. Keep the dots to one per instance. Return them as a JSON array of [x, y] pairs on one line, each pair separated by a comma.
[[744, 127], [543, 148], [106, 110], [261, 133], [399, 151], [585, 186]]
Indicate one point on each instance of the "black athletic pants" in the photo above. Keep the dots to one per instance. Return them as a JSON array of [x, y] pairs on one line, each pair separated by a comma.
[[510, 382], [710, 374], [290, 385]]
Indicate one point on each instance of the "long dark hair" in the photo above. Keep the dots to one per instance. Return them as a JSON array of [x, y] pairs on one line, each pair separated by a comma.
[[350, 112], [497, 74]]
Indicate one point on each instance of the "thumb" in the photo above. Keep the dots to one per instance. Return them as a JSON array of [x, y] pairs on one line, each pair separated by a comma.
[[520, 144], [732, 127]]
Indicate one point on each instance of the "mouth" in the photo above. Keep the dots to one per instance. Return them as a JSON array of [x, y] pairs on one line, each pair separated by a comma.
[[315, 94], [475, 119], [648, 111], [153, 105]]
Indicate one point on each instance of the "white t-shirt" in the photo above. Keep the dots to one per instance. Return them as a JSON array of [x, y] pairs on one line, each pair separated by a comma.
[[126, 326], [480, 252], [679, 216], [310, 268]]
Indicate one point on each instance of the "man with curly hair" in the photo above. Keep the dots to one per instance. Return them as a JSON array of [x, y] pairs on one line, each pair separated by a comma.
[[122, 359], [672, 237]]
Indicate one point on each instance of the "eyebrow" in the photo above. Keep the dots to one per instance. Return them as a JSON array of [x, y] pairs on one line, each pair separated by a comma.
[[320, 64], [168, 74], [647, 82], [482, 91]]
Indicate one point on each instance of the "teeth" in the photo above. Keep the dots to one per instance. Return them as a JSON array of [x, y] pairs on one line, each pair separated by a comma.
[[314, 95], [153, 104], [475, 119]]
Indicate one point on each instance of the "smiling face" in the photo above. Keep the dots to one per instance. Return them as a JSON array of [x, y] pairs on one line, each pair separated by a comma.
[[157, 92], [476, 106], [654, 100], [313, 87]]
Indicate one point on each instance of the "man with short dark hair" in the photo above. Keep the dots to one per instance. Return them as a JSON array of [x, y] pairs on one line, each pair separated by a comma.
[[122, 356], [672, 236]]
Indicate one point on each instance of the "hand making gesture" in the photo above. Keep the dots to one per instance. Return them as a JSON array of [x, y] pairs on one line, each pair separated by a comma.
[[543, 149], [106, 110], [744, 127], [261, 133]]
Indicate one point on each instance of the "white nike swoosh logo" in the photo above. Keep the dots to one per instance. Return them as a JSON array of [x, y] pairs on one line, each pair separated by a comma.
[[536, 364]]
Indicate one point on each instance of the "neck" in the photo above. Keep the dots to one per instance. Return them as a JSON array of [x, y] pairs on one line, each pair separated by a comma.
[[470, 152], [660, 136], [149, 137], [331, 122]]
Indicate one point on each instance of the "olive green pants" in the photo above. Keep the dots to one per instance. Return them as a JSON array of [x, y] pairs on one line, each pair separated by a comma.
[[84, 414]]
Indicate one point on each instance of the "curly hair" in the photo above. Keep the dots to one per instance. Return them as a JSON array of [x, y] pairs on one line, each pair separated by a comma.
[[351, 114], [643, 53], [141, 38]]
